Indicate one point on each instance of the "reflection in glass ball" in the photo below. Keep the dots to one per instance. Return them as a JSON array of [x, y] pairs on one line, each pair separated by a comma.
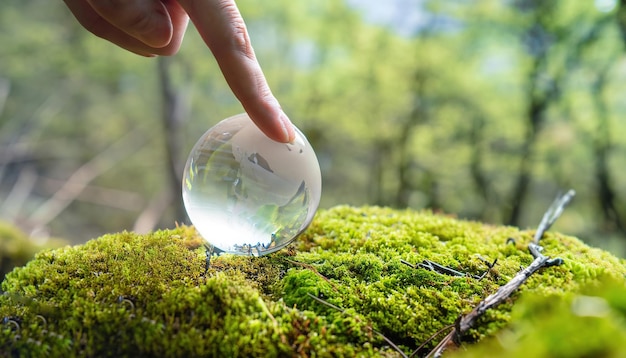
[[247, 194]]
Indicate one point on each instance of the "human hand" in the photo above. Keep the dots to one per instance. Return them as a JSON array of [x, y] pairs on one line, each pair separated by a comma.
[[156, 27]]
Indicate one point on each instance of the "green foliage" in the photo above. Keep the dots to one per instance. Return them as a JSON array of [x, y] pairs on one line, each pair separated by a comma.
[[127, 294], [437, 118]]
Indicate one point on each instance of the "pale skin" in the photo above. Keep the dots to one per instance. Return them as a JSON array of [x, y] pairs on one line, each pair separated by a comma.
[[156, 27]]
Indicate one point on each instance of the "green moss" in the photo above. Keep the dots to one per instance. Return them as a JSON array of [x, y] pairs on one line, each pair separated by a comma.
[[16, 248], [590, 323], [128, 294]]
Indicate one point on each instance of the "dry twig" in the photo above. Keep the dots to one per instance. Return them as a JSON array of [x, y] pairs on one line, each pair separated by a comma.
[[314, 270], [464, 323]]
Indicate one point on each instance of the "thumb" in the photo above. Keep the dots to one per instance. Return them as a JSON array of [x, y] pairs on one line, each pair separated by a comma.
[[146, 20]]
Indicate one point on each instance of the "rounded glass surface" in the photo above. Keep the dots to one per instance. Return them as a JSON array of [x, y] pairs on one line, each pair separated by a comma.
[[247, 194]]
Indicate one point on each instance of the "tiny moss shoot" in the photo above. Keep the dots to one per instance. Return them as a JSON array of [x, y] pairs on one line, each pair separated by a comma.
[[151, 295]]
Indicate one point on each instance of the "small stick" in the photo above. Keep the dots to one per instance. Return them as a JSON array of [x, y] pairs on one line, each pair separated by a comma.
[[445, 270], [9, 320], [310, 267], [554, 211], [430, 339], [464, 323]]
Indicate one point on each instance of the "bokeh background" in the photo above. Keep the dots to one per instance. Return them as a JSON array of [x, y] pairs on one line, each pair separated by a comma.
[[481, 109]]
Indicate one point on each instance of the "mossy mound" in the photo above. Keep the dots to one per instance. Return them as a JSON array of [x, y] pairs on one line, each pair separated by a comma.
[[149, 295], [16, 248], [590, 323]]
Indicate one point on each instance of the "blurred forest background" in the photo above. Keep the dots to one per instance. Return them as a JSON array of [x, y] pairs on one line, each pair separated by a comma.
[[483, 109]]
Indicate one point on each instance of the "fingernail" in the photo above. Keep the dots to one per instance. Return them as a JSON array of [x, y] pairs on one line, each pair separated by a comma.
[[289, 134]]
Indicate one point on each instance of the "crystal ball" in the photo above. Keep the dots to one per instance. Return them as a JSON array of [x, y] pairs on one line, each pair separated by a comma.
[[247, 194]]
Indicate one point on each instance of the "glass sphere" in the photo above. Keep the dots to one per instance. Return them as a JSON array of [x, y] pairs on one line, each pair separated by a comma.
[[247, 194]]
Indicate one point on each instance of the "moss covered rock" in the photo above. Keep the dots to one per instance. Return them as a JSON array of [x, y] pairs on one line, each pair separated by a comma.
[[335, 292], [16, 248], [588, 323]]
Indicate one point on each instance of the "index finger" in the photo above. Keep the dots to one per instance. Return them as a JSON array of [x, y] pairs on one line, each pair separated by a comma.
[[222, 28]]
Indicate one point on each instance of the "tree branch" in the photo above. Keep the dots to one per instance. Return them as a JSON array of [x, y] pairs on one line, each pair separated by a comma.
[[466, 322]]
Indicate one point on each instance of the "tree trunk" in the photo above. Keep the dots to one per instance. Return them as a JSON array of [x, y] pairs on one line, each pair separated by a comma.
[[480, 179], [537, 106], [602, 149], [173, 115], [418, 115]]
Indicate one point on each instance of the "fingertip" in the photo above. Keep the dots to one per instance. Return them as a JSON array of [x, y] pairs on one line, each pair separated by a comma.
[[289, 132], [274, 124]]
